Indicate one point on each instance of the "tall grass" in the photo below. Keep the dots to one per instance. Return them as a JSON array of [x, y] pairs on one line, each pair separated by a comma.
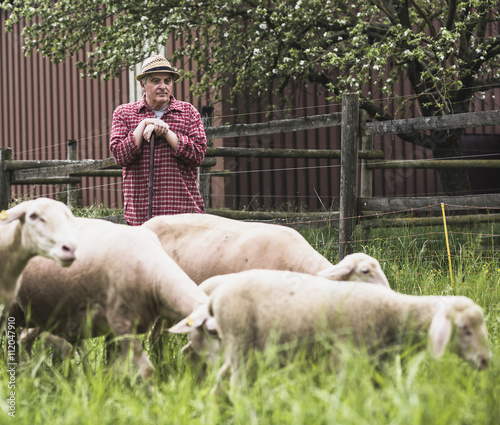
[[407, 387]]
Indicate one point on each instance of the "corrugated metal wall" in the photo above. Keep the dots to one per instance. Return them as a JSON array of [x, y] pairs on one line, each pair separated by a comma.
[[43, 106], [285, 184], [314, 184]]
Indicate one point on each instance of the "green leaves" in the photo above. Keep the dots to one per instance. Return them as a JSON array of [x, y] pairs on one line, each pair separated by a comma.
[[251, 46]]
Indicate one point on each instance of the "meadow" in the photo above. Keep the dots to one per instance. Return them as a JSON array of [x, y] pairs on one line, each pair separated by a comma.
[[407, 387]]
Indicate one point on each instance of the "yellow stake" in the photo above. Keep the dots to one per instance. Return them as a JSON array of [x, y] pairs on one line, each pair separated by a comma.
[[447, 243]]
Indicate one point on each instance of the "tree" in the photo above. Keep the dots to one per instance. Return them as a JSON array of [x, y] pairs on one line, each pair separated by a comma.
[[448, 51]]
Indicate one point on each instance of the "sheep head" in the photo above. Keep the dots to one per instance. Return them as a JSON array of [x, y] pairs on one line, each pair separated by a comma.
[[203, 334], [357, 267], [459, 326], [45, 230]]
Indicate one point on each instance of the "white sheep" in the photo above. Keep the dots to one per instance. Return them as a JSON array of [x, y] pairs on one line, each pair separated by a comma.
[[357, 267], [206, 245], [37, 227], [121, 282], [246, 308]]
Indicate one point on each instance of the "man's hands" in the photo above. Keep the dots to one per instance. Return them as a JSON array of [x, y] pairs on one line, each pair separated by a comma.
[[158, 126], [161, 129]]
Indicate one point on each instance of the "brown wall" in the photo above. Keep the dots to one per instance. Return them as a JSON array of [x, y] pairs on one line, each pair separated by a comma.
[[285, 184], [44, 105], [314, 184]]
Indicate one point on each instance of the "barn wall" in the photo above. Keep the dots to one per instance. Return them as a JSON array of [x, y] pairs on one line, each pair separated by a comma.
[[45, 105]]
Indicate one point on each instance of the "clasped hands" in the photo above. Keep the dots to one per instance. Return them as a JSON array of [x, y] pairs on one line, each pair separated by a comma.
[[158, 126]]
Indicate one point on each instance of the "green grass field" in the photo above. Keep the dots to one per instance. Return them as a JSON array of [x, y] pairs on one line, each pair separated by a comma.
[[409, 387]]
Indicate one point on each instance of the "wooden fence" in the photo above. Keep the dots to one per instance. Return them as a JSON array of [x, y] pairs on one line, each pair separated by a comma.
[[353, 128]]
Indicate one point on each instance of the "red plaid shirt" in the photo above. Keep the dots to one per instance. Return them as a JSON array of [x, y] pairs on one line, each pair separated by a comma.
[[175, 189]]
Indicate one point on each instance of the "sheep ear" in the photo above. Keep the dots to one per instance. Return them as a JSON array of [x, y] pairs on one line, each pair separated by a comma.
[[339, 271], [16, 212], [187, 349], [439, 334], [193, 321]]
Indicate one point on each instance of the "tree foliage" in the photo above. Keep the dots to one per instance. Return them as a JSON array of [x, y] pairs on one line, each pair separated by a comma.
[[448, 51]]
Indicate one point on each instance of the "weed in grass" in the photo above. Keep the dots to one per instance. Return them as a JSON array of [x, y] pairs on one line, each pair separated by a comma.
[[96, 211]]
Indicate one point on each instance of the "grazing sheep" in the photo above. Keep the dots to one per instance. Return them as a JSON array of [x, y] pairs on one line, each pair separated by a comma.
[[37, 227], [121, 282], [357, 267], [206, 245], [249, 306]]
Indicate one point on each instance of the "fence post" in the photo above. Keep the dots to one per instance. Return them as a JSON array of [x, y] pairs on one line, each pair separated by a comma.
[[72, 188], [5, 155], [366, 179], [348, 172], [207, 113]]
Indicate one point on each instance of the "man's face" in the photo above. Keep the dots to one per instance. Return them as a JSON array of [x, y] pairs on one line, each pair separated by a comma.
[[158, 88]]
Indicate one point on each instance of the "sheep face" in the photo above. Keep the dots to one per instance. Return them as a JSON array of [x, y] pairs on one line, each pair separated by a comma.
[[203, 333], [460, 327], [46, 229], [357, 267], [204, 341]]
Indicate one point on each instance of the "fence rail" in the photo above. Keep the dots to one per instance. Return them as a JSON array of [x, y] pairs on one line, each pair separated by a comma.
[[353, 127], [442, 122]]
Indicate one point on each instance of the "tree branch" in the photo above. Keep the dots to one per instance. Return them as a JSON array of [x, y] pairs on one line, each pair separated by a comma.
[[401, 7], [425, 17], [373, 111], [452, 10]]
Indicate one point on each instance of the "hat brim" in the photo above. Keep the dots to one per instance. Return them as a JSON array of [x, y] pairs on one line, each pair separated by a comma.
[[159, 69]]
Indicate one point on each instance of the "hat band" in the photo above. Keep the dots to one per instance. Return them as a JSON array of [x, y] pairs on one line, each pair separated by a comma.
[[159, 68]]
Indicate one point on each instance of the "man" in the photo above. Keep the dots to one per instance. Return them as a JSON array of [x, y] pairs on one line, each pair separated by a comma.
[[179, 147]]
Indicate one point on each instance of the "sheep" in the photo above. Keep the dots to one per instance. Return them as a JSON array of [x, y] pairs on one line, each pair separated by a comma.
[[206, 245], [247, 308], [353, 267], [37, 227], [120, 283]]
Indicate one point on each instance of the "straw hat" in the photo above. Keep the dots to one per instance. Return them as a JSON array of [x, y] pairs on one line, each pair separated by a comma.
[[157, 63]]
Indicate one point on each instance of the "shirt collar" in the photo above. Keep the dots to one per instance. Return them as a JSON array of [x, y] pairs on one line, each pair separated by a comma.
[[173, 105]]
